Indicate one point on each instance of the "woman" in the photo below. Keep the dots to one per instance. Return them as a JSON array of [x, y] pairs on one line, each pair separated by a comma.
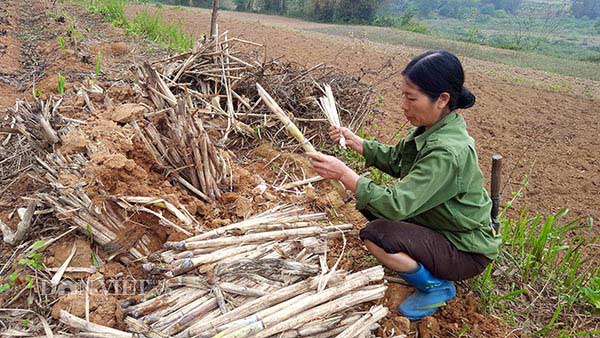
[[433, 226]]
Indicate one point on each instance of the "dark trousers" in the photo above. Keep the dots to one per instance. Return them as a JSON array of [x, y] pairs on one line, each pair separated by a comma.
[[426, 246]]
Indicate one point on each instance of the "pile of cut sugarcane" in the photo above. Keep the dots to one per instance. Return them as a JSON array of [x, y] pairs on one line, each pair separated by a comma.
[[184, 150], [107, 221], [260, 277], [265, 276], [218, 81]]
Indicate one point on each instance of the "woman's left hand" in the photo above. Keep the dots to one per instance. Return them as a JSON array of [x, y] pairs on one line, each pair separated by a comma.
[[328, 166]]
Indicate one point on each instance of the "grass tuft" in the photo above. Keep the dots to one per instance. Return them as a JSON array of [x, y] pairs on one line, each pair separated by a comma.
[[61, 84], [155, 28], [542, 275], [150, 25]]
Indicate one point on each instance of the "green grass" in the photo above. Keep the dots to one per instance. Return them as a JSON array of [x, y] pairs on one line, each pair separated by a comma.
[[145, 23], [98, 68], [61, 84], [155, 28], [543, 275], [61, 43], [113, 11]]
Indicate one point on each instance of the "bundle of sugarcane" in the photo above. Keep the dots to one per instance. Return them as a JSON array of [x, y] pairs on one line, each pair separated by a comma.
[[254, 277], [328, 106], [294, 309], [108, 222], [248, 238], [34, 122], [182, 301], [184, 148], [31, 130], [238, 301]]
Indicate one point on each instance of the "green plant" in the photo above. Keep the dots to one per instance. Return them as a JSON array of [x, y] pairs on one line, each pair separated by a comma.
[[36, 92], [61, 84], [61, 42], [10, 283], [166, 34], [113, 11], [33, 260], [591, 292], [75, 34], [98, 65], [543, 256], [379, 177]]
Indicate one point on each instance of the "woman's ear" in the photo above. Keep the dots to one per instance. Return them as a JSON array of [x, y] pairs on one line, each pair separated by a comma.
[[443, 100]]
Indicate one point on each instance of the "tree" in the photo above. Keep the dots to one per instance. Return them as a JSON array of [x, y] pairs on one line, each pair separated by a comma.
[[361, 11], [589, 8], [510, 6]]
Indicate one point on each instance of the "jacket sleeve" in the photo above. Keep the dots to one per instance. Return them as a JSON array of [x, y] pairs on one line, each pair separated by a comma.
[[432, 181], [382, 157]]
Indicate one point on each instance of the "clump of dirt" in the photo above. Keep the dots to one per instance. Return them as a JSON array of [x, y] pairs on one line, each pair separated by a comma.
[[126, 112], [104, 308], [121, 93], [75, 141], [59, 252], [464, 311]]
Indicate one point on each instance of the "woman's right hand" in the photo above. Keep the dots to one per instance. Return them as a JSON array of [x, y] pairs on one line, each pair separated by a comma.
[[352, 140]]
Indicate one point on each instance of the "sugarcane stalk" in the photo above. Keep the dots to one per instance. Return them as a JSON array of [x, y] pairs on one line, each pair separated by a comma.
[[153, 300], [375, 314], [78, 323], [357, 297], [143, 329], [293, 131], [184, 265], [259, 237]]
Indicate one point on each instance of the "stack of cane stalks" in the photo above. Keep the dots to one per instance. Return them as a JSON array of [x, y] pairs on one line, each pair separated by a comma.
[[261, 277]]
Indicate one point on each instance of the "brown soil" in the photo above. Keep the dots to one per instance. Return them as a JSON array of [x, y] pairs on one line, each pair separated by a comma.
[[104, 309]]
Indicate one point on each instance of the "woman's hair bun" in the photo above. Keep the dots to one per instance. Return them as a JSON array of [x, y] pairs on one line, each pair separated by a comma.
[[466, 99]]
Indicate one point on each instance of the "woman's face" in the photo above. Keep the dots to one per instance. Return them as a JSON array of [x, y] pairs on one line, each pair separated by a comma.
[[418, 109]]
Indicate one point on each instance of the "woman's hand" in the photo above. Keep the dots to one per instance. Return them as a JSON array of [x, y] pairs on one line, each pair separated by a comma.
[[332, 168], [352, 140]]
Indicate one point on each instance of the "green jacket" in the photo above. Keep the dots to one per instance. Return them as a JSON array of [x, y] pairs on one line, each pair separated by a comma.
[[441, 185]]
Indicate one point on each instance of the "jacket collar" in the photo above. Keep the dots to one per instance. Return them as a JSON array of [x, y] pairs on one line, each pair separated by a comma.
[[420, 135]]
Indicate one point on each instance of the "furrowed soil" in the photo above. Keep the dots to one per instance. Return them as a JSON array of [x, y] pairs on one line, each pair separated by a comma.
[[522, 121]]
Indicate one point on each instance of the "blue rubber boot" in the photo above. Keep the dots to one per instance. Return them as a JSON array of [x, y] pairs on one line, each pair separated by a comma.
[[432, 293]]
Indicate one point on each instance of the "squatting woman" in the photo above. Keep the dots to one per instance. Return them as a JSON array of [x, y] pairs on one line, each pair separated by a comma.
[[433, 225]]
